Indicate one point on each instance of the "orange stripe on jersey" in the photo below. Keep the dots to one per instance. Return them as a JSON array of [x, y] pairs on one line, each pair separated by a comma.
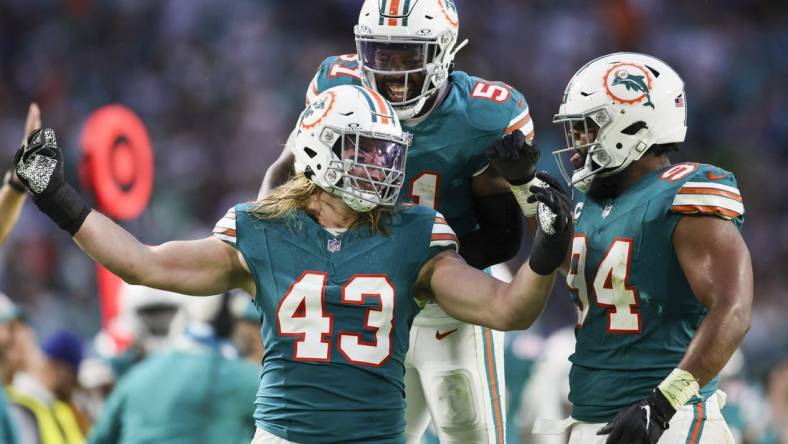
[[519, 124], [530, 136], [440, 220], [444, 237], [690, 209], [495, 389], [228, 232], [698, 422], [381, 105], [713, 191], [393, 9]]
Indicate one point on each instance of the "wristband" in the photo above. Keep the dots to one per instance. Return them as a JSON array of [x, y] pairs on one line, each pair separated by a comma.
[[523, 192], [65, 207], [679, 387]]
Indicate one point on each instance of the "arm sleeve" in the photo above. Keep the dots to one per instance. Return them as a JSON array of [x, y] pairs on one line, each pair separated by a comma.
[[499, 234]]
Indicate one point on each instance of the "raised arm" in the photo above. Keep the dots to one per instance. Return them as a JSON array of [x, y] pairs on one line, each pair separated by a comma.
[[471, 295], [201, 267], [279, 171], [198, 267]]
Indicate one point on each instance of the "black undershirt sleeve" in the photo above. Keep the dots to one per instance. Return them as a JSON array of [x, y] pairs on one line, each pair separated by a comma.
[[499, 234]]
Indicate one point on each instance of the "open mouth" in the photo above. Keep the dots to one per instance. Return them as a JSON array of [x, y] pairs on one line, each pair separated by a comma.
[[396, 91]]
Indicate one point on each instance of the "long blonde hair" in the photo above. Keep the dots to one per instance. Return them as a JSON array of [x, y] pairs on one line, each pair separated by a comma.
[[297, 193]]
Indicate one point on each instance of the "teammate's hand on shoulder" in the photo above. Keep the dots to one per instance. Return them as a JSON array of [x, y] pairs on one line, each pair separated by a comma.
[[554, 217], [514, 157], [642, 423]]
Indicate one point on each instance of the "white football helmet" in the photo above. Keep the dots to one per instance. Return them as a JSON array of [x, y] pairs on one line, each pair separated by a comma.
[[406, 49], [614, 109], [349, 142]]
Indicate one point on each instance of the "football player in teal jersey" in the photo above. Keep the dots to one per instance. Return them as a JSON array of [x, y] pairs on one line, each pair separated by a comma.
[[338, 270], [405, 51], [658, 269]]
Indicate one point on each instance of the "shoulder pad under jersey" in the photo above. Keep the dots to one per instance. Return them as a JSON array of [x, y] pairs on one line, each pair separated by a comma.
[[703, 189], [493, 106], [334, 71]]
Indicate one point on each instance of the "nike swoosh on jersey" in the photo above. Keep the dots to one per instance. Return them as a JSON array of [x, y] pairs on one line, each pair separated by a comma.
[[713, 176], [439, 335]]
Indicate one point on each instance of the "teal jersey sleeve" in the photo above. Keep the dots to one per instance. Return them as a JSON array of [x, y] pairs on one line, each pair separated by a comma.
[[334, 71], [493, 108], [706, 190]]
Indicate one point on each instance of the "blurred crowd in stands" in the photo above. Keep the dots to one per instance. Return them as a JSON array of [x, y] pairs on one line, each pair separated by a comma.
[[220, 84]]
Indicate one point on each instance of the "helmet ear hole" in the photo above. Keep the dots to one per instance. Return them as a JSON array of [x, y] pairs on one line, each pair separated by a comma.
[[310, 152], [633, 129]]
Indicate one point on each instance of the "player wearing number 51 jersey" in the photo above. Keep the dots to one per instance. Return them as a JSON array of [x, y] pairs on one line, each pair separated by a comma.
[[658, 269], [405, 52]]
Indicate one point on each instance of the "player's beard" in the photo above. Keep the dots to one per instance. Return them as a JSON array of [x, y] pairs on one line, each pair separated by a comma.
[[604, 188]]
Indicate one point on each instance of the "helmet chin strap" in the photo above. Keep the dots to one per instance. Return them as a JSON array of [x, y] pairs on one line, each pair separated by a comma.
[[357, 203], [458, 47]]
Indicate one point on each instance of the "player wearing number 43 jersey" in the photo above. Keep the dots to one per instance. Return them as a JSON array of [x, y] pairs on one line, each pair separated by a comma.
[[405, 52], [334, 264], [658, 269]]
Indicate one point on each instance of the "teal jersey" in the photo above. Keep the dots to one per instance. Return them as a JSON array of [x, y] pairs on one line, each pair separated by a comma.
[[449, 144], [336, 312], [637, 312], [181, 397], [7, 428]]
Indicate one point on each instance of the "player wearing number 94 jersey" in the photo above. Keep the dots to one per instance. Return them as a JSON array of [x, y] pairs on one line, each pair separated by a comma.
[[405, 52], [658, 269]]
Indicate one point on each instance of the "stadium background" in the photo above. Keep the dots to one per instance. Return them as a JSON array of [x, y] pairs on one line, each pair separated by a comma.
[[220, 84]]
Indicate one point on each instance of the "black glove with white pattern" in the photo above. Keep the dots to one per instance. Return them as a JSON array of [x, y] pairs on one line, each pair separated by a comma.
[[39, 165], [554, 216]]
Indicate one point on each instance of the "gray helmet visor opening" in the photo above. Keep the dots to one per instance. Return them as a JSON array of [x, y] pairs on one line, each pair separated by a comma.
[[399, 70], [580, 132], [374, 167]]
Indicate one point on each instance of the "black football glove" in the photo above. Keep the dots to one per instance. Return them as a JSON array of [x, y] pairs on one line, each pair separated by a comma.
[[554, 216], [642, 423], [514, 157], [39, 165]]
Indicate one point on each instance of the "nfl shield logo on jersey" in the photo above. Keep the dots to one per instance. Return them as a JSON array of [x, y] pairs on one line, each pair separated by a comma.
[[334, 245]]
